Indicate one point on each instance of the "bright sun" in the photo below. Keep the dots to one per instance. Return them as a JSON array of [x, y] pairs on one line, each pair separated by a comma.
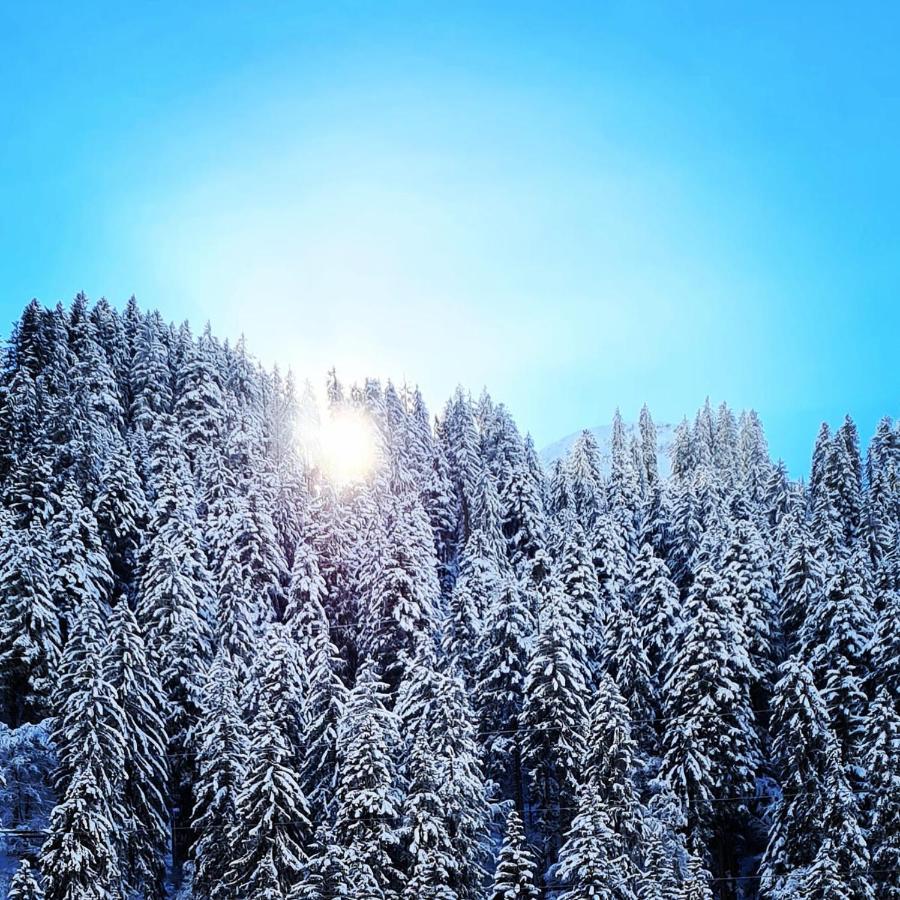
[[347, 444]]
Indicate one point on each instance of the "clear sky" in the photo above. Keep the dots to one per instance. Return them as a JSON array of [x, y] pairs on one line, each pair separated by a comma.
[[579, 205]]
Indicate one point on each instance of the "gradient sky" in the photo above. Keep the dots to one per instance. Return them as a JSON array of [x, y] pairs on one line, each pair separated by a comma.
[[579, 205]]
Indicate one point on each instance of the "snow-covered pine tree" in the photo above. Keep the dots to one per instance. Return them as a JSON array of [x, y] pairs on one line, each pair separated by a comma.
[[709, 740], [475, 588], [753, 456], [141, 700], [579, 581], [272, 830], [591, 861], [79, 567], [515, 877], [24, 884], [280, 673], [150, 382], [697, 884], [844, 840], [648, 447], [79, 859], [404, 591], [30, 640], [881, 802], [608, 766], [803, 738], [442, 506], [665, 856], [120, 510], [524, 523], [199, 404], [425, 831], [461, 442], [836, 641], [222, 744], [368, 797], [583, 479], [306, 589], [818, 816], [500, 686], [173, 612], [446, 812], [323, 704], [885, 650], [634, 676], [802, 584], [335, 872], [89, 727], [554, 716], [748, 582], [657, 605]]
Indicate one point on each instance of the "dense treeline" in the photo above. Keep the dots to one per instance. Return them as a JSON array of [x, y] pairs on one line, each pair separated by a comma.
[[225, 677]]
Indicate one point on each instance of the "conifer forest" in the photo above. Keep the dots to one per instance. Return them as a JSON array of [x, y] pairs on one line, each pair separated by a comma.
[[227, 674]]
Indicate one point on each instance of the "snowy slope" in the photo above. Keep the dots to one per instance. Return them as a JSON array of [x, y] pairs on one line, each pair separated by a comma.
[[664, 435]]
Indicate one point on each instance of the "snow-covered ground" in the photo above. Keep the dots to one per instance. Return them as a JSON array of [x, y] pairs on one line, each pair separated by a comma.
[[664, 437]]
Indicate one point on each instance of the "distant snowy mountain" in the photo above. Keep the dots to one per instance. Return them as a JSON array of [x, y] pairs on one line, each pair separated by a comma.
[[665, 434]]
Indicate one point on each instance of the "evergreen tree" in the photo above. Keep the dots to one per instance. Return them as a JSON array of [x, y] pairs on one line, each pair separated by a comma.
[[748, 581], [273, 827], [30, 641], [150, 377], [24, 884], [524, 522], [404, 592], [882, 803], [199, 404], [222, 744], [633, 675], [885, 648], [516, 872], [709, 741], [80, 565], [696, 885], [141, 700], [500, 688], [584, 480], [608, 766], [79, 860], [666, 857], [836, 641], [591, 862], [474, 589], [368, 797], [554, 715], [657, 605], [324, 703], [336, 872], [648, 447], [120, 510], [579, 581], [89, 728], [802, 584], [817, 817]]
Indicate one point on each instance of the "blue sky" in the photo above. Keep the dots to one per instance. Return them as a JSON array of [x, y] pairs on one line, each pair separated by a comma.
[[579, 205]]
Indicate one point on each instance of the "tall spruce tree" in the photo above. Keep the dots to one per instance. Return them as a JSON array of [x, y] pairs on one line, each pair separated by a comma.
[[30, 640], [272, 830], [515, 877], [368, 796], [222, 743], [881, 802], [141, 700]]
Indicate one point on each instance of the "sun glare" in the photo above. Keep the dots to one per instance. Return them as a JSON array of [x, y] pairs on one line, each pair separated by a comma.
[[347, 446]]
